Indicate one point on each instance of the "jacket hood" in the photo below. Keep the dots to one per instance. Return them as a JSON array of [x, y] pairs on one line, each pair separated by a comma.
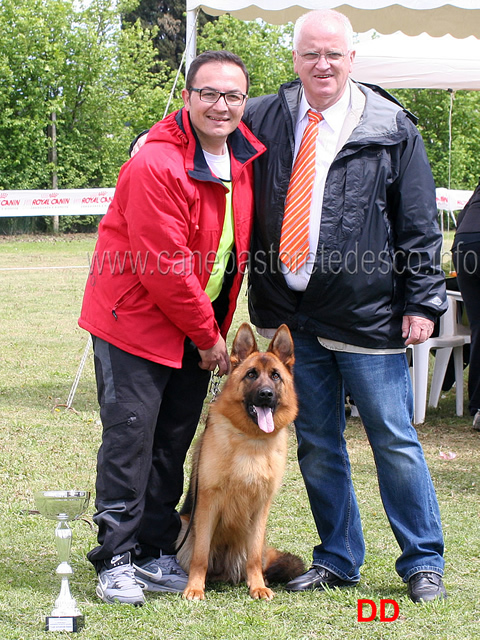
[[384, 119], [168, 130]]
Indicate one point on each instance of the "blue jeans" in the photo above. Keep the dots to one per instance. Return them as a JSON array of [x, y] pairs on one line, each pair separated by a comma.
[[381, 388]]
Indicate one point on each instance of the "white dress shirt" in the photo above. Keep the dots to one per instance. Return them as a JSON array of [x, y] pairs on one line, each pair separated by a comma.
[[329, 130]]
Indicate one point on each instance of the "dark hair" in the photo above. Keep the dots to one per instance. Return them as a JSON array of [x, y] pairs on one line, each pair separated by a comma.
[[225, 57]]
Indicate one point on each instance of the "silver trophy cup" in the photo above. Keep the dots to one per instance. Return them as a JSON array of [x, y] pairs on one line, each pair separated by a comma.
[[63, 506]]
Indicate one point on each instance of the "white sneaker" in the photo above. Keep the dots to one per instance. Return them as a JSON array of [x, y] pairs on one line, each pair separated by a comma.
[[476, 421], [161, 574], [117, 583]]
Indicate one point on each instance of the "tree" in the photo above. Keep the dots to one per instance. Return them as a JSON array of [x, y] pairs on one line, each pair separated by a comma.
[[113, 95], [168, 19], [29, 56], [266, 49], [77, 63], [458, 167]]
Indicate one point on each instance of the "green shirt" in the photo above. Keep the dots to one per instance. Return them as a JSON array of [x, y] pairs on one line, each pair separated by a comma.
[[215, 282]]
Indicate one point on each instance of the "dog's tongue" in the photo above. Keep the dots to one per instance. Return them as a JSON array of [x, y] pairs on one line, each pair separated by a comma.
[[265, 419]]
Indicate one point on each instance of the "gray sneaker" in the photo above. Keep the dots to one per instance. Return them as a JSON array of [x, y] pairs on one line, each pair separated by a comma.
[[476, 421], [117, 583], [161, 574]]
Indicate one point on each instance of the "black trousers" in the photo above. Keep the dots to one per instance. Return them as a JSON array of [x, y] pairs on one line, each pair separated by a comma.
[[149, 415], [467, 262]]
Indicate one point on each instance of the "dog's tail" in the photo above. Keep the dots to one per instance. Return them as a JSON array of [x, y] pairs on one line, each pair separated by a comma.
[[282, 567]]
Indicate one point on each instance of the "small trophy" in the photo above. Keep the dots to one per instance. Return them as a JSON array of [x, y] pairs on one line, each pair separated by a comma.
[[63, 506]]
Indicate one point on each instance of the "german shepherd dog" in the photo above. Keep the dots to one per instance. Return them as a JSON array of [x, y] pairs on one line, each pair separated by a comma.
[[238, 466]]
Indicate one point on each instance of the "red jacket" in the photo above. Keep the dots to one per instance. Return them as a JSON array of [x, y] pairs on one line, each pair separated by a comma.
[[145, 290]]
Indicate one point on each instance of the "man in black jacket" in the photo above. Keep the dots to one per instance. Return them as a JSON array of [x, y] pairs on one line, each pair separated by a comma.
[[466, 257], [356, 275]]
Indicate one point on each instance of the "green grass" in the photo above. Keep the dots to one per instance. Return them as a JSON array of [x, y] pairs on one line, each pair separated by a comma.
[[47, 447]]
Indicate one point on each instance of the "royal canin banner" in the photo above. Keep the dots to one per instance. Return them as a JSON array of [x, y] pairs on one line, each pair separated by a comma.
[[78, 202], [452, 199], [61, 202]]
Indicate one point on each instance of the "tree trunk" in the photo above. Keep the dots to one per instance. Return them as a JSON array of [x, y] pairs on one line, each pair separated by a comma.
[[52, 159]]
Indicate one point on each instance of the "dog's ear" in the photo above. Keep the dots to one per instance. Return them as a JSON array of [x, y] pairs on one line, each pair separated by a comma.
[[282, 346], [244, 344]]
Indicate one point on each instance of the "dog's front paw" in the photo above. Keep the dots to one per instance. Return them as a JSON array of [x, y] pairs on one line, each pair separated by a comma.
[[192, 593], [262, 593]]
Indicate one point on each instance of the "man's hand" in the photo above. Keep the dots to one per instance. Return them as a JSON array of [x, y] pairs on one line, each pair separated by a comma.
[[416, 329], [216, 356]]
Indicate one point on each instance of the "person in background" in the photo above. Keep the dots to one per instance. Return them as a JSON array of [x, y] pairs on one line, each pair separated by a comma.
[[466, 258], [158, 302], [346, 252]]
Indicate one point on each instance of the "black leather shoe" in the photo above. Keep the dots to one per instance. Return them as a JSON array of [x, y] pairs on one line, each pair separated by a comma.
[[425, 586], [317, 578]]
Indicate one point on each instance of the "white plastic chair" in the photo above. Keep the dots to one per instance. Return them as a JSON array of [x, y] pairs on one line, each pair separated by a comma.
[[453, 335]]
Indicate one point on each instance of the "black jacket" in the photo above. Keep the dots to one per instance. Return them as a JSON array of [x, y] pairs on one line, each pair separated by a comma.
[[379, 249], [468, 222]]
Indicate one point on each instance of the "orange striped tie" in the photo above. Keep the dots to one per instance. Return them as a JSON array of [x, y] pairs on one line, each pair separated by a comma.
[[294, 244]]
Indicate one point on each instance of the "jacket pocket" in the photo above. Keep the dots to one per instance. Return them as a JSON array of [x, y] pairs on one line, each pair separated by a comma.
[[122, 465], [125, 297]]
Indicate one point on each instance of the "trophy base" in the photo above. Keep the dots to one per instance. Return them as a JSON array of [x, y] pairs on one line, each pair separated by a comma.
[[64, 623]]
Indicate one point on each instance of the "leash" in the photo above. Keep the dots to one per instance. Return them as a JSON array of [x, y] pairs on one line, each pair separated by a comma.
[[190, 522], [214, 391], [214, 388]]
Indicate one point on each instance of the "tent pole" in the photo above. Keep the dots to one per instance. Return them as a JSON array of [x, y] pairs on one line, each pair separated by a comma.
[[189, 52], [191, 38], [452, 98]]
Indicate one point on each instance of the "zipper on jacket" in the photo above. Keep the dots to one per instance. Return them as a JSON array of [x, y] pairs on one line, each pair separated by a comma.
[[128, 293]]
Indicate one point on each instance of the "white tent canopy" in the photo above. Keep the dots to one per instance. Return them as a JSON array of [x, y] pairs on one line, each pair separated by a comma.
[[460, 18], [400, 61]]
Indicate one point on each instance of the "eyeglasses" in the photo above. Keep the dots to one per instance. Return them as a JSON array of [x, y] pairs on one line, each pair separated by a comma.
[[232, 98], [332, 57]]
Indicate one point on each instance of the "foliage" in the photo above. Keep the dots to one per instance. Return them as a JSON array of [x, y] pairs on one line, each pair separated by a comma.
[[265, 49], [74, 224], [458, 166], [466, 139], [166, 19], [74, 61]]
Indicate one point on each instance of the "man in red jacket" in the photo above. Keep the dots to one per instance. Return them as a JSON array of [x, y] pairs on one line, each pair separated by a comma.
[[159, 300]]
